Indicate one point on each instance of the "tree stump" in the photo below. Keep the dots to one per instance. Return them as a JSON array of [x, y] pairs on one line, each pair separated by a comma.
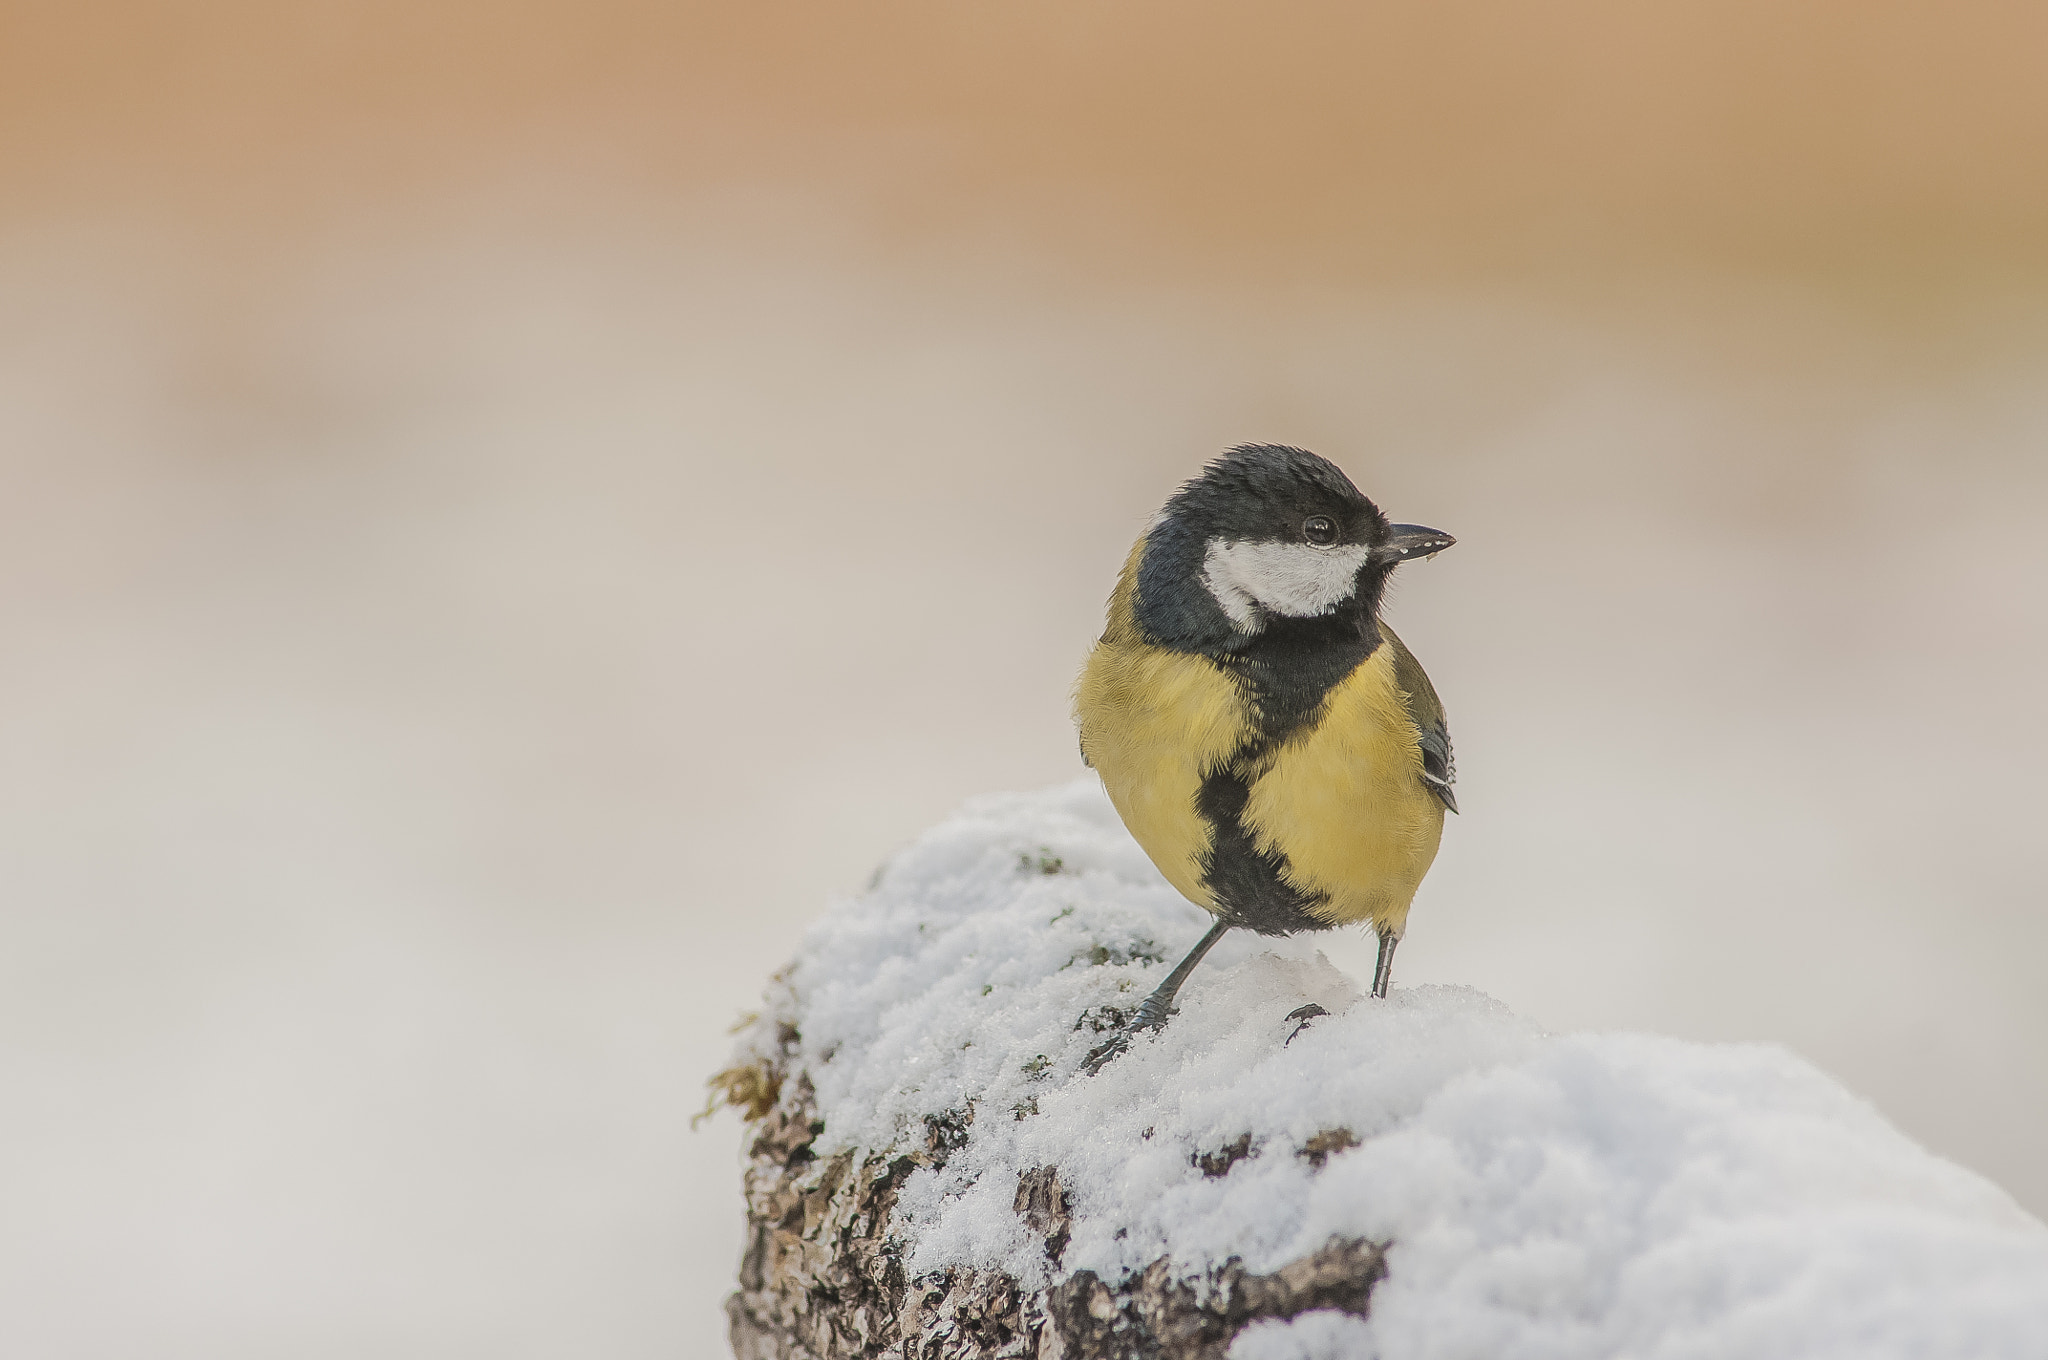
[[821, 1279]]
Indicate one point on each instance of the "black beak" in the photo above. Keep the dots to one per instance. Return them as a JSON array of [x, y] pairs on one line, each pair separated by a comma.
[[1411, 542]]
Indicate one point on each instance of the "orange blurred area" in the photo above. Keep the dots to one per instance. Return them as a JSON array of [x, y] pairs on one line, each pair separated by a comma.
[[1896, 145]]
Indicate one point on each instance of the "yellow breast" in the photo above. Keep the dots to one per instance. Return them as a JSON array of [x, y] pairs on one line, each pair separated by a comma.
[[1344, 803], [1154, 724]]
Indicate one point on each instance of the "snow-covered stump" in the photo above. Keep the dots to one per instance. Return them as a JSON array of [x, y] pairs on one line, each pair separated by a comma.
[[930, 1175], [822, 1278]]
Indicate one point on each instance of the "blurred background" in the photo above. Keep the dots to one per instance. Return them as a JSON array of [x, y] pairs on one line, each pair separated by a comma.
[[509, 509]]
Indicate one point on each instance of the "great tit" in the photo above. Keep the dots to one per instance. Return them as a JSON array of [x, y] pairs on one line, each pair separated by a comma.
[[1266, 738]]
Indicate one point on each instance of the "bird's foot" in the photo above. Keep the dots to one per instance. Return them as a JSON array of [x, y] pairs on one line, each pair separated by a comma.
[[1152, 1012], [1106, 1052], [1303, 1014], [1149, 1016]]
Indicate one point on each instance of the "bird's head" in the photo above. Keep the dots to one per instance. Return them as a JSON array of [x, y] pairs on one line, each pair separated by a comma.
[[1266, 533]]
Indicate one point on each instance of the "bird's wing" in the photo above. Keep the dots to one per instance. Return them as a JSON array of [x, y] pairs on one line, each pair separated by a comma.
[[1426, 711]]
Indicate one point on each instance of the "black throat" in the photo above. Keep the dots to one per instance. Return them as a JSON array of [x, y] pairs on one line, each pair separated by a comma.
[[1292, 665], [1285, 674]]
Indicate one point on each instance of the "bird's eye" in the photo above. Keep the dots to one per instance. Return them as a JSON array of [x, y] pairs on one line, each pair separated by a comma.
[[1320, 530]]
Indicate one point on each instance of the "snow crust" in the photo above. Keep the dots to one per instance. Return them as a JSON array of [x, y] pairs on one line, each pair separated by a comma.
[[1545, 1195], [1317, 1335]]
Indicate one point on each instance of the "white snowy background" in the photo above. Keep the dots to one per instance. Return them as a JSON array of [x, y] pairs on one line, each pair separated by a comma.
[[492, 541]]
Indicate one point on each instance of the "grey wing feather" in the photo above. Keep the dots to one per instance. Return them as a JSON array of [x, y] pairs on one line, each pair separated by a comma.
[[1426, 711]]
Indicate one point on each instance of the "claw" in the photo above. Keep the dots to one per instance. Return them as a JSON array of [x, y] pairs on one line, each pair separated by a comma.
[[1107, 1052], [1303, 1014]]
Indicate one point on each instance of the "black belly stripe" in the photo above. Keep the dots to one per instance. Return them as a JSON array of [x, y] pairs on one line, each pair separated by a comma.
[[1285, 676], [1247, 885]]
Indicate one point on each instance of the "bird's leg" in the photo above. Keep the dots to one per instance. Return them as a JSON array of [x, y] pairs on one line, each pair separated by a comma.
[[1384, 969], [1153, 1010]]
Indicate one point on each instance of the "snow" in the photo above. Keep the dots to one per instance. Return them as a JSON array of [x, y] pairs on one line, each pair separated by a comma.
[[1544, 1195], [1318, 1335]]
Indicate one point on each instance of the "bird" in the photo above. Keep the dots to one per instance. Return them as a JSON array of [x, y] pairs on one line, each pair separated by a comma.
[[1267, 739]]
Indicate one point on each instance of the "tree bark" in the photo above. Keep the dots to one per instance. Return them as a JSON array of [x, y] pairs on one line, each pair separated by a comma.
[[823, 1276]]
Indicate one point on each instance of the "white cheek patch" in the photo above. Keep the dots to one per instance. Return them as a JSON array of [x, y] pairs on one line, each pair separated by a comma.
[[1292, 579]]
